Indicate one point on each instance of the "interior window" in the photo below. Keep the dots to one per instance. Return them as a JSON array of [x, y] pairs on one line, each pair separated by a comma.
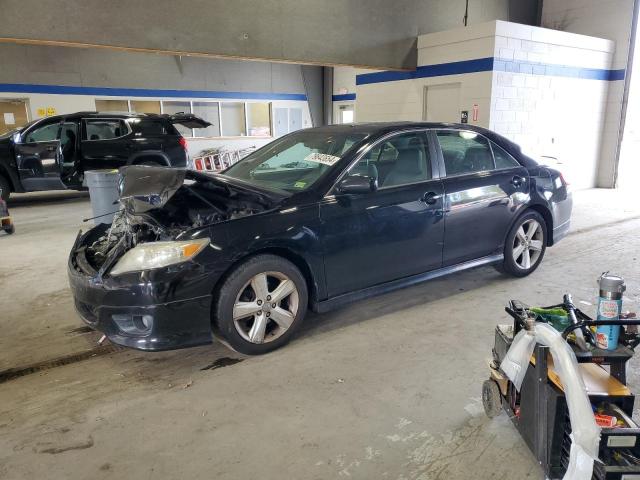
[[208, 111], [105, 129], [46, 133], [401, 160], [180, 107], [502, 158], [464, 152]]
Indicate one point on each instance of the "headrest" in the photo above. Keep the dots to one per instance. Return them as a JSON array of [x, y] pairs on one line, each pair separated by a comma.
[[410, 160]]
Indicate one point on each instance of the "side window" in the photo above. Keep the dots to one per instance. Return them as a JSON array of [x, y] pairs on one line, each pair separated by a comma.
[[46, 133], [151, 128], [502, 158], [464, 152], [400, 160], [105, 129]]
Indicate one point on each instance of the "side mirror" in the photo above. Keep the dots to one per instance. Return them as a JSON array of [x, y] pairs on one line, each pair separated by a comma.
[[358, 184]]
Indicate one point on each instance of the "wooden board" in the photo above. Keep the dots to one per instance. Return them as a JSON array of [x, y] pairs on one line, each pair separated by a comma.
[[596, 379]]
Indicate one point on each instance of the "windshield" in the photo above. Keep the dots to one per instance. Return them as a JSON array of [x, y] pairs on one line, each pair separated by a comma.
[[295, 162], [16, 130]]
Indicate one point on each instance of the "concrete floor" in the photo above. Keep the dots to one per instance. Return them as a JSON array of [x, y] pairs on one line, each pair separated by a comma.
[[384, 388]]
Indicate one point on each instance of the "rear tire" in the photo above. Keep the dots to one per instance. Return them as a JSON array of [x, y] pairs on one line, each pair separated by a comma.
[[10, 230], [260, 305], [525, 245], [5, 186]]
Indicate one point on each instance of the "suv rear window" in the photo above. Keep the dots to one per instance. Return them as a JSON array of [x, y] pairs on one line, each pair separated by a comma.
[[152, 128], [105, 129]]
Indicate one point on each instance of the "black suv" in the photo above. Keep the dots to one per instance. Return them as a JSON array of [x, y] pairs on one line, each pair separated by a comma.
[[54, 152]]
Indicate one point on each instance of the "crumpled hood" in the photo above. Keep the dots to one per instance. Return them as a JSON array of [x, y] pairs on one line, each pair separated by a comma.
[[143, 188]]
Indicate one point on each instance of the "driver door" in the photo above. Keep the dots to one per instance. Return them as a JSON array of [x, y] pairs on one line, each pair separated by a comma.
[[38, 157], [391, 233]]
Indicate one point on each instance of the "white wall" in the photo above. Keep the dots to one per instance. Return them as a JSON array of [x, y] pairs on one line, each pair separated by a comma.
[[606, 19], [404, 100], [549, 114]]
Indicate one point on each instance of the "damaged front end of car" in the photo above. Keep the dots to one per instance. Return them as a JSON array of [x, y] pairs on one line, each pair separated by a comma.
[[161, 205], [146, 280]]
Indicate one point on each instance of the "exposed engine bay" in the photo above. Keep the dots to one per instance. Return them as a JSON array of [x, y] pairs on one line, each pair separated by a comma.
[[165, 213]]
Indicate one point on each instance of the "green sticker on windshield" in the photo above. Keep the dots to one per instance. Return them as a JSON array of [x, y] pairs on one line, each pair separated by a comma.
[[299, 184]]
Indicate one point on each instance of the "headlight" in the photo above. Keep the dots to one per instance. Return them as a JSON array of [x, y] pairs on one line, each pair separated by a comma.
[[158, 254]]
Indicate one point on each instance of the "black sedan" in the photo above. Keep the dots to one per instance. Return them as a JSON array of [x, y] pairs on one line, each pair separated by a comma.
[[314, 219]]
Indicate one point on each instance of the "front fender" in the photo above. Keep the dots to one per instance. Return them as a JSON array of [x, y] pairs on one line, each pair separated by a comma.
[[292, 233]]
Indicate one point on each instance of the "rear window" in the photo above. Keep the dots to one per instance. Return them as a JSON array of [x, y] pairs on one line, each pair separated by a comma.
[[502, 158], [148, 129]]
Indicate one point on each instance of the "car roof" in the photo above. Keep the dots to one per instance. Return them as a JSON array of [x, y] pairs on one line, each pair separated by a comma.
[[371, 128]]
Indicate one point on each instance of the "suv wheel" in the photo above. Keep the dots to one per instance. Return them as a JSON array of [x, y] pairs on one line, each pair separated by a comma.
[[261, 305], [5, 188], [525, 245]]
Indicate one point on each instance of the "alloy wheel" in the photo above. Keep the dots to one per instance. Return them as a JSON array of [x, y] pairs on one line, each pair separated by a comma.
[[528, 244], [266, 307]]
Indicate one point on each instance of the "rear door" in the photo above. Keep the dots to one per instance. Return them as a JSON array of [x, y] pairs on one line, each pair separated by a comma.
[[106, 143], [38, 156], [483, 195]]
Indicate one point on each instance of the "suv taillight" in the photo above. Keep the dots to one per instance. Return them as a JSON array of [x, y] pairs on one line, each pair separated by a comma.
[[183, 143], [564, 180], [198, 164]]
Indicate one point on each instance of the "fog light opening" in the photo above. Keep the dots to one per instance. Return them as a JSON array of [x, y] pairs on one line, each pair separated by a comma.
[[133, 324]]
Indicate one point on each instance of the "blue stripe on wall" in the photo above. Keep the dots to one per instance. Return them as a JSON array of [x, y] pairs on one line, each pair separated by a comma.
[[558, 70], [441, 69], [490, 64], [343, 97], [143, 92]]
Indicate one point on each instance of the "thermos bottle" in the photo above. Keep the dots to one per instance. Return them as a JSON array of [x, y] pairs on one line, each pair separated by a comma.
[[609, 308]]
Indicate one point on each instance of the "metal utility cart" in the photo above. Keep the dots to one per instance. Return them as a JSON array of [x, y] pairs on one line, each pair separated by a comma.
[[6, 223], [539, 411]]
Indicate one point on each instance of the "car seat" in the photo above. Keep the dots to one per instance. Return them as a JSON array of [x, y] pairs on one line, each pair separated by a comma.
[[410, 167], [70, 145], [478, 159]]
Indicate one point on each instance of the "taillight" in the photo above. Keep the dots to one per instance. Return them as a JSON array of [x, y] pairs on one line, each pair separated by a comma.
[[198, 164], [183, 143], [564, 181]]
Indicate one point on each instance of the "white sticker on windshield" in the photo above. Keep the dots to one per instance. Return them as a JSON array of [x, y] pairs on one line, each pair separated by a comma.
[[323, 158]]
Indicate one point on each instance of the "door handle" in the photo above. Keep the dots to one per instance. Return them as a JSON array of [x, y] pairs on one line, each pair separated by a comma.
[[517, 181], [51, 149], [430, 198]]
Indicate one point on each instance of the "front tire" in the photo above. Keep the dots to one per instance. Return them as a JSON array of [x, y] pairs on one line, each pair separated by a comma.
[[525, 245], [260, 305]]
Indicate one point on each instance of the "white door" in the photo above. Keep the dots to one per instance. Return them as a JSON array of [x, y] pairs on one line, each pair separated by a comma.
[[295, 119], [281, 120], [442, 103], [346, 114]]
